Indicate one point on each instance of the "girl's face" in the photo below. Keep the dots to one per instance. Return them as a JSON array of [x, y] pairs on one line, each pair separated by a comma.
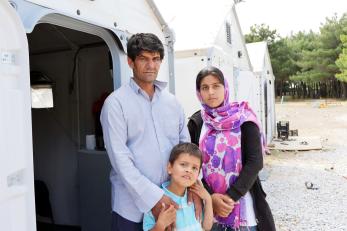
[[185, 170], [212, 91]]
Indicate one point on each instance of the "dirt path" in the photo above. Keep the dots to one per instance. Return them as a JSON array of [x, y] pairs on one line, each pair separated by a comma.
[[294, 206]]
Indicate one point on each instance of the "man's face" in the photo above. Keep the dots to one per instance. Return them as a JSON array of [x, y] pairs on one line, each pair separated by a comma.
[[146, 66]]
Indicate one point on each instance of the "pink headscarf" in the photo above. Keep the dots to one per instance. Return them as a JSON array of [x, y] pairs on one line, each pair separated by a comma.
[[221, 147]]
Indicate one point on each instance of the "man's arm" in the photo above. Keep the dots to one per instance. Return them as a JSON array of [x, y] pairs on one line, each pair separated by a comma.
[[184, 133], [144, 193]]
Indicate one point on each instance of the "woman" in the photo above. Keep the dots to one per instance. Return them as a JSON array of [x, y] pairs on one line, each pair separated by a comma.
[[229, 136]]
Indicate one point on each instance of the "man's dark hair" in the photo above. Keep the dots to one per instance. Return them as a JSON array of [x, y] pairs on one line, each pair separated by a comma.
[[211, 70], [144, 42], [189, 148]]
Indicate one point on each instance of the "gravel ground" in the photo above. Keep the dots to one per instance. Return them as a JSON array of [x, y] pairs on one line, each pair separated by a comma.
[[325, 206]]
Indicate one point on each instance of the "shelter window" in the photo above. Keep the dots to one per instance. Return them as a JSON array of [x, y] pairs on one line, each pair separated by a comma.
[[41, 90]]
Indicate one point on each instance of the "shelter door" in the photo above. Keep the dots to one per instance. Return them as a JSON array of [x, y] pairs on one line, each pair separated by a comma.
[[17, 209]]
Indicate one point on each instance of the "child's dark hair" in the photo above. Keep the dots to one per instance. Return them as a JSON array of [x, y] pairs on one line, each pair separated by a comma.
[[189, 148], [144, 42]]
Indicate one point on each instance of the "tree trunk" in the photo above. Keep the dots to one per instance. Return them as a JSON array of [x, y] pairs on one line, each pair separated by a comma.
[[304, 86], [309, 94], [279, 88], [335, 89], [344, 90], [299, 90], [331, 88], [326, 88]]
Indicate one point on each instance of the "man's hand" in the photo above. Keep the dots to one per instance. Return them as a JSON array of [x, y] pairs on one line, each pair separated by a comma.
[[159, 205], [156, 210], [222, 204], [166, 218], [194, 198]]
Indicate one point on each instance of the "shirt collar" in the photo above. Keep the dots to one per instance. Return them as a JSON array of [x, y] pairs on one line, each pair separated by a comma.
[[160, 85], [174, 197]]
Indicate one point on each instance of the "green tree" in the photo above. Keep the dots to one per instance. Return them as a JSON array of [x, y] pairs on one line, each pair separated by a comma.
[[280, 54], [341, 62], [303, 46], [260, 33], [283, 64], [317, 61]]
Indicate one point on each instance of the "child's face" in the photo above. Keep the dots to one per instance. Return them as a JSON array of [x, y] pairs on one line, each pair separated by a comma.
[[185, 170]]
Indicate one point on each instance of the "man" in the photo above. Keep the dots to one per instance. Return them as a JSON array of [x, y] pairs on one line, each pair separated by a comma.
[[141, 123]]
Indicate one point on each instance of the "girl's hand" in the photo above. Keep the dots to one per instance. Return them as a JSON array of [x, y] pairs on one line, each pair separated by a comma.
[[198, 204], [199, 189], [223, 205]]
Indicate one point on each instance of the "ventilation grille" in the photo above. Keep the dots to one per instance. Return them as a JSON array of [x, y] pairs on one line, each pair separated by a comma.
[[228, 32]]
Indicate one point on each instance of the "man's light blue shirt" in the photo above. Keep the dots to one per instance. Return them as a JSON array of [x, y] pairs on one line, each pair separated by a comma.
[[139, 134]]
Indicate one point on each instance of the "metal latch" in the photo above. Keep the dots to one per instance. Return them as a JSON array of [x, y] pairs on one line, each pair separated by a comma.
[[7, 57], [16, 178]]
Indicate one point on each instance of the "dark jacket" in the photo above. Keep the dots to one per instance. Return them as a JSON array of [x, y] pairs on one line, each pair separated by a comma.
[[248, 180]]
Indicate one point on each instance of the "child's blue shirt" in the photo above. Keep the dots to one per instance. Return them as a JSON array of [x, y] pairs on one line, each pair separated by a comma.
[[185, 215]]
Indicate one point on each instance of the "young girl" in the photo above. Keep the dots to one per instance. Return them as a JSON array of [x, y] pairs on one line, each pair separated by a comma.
[[232, 150], [183, 167]]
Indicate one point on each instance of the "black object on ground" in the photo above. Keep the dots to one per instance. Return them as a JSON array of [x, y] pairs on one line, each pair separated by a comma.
[[310, 185], [283, 130], [293, 132]]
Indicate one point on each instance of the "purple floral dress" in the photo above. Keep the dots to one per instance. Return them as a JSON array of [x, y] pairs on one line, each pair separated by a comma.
[[221, 147]]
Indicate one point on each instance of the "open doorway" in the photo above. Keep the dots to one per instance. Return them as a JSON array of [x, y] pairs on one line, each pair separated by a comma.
[[72, 189]]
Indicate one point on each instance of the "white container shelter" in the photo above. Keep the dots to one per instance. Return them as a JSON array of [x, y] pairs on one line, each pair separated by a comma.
[[79, 46], [261, 64], [209, 36]]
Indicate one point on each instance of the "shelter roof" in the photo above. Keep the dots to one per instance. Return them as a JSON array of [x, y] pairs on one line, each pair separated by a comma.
[[257, 52], [195, 23]]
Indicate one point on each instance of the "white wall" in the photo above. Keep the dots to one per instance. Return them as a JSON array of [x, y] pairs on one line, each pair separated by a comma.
[[220, 54], [188, 66], [248, 90], [270, 81], [121, 15], [17, 209], [262, 68], [224, 61], [186, 70], [237, 42]]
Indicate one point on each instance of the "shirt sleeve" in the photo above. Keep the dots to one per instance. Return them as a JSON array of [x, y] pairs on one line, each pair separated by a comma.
[[252, 160], [184, 133], [144, 193], [148, 221]]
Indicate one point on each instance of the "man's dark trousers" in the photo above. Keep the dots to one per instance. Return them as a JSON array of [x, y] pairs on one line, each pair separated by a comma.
[[119, 223]]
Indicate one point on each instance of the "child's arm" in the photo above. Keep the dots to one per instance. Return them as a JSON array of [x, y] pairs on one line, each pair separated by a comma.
[[199, 189], [165, 219]]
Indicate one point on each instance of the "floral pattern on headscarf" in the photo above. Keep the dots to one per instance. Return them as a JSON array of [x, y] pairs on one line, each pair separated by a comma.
[[221, 147]]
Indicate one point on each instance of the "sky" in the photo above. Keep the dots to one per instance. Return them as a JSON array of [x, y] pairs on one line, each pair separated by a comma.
[[286, 16]]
